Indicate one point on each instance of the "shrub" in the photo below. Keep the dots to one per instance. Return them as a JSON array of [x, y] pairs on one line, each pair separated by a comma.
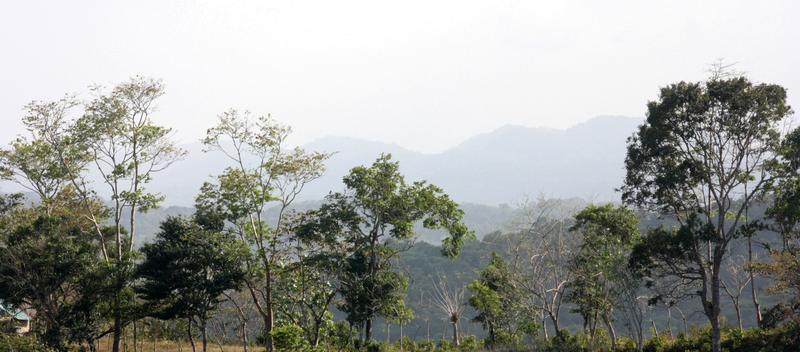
[[469, 343], [16, 343], [288, 337]]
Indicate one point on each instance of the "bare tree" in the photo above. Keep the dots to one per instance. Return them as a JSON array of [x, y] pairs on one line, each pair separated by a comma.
[[451, 303], [735, 280], [540, 248], [631, 308]]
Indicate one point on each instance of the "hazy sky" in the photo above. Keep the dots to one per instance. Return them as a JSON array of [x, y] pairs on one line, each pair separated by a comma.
[[422, 74]]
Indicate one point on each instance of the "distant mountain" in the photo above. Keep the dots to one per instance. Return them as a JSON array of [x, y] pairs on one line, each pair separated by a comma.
[[501, 166], [498, 167]]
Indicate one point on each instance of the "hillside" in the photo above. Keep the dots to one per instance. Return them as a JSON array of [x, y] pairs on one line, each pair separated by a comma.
[[497, 167]]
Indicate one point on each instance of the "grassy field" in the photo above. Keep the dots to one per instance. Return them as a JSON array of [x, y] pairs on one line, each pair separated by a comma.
[[171, 346]]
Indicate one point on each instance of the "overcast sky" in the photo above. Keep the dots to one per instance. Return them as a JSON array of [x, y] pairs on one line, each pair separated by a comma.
[[423, 74]]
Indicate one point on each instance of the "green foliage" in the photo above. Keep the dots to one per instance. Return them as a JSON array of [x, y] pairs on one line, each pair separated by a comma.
[[608, 234], [497, 302], [16, 343], [374, 218], [704, 144], [288, 337], [51, 266], [187, 268]]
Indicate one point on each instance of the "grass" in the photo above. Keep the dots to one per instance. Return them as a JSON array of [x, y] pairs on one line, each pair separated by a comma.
[[147, 345]]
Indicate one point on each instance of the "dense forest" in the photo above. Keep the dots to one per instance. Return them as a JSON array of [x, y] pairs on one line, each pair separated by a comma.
[[700, 253]]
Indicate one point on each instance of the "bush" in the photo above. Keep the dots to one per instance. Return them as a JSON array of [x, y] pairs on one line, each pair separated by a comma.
[[288, 337], [469, 343], [16, 343]]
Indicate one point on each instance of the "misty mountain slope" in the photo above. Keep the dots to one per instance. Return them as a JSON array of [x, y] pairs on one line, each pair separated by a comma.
[[501, 166], [507, 164]]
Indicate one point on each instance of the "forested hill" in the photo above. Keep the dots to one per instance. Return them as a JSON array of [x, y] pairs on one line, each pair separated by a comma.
[[498, 167], [482, 219]]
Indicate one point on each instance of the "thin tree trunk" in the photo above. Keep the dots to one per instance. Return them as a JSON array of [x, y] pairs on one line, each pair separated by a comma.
[[368, 330], [428, 328], [738, 310], [205, 335], [117, 325], [191, 337], [716, 335], [611, 332], [669, 322], [270, 321], [244, 335], [401, 337], [135, 336], [753, 291], [456, 339]]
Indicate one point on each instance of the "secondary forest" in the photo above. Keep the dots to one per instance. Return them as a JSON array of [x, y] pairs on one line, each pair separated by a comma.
[[701, 253]]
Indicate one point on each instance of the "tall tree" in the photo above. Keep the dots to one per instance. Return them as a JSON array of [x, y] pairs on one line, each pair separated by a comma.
[[375, 217], [186, 271], [116, 137], [127, 148], [609, 232], [264, 172], [309, 284], [496, 300], [702, 157]]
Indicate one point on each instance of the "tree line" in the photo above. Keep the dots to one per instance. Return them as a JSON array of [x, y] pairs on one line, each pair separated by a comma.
[[708, 152]]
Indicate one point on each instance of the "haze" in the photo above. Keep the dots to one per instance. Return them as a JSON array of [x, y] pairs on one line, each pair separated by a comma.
[[422, 74]]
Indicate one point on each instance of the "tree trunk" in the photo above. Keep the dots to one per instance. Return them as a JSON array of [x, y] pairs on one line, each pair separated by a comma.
[[204, 333], [554, 320], [428, 329], [269, 321], [244, 335], [753, 292], [715, 304], [368, 330], [611, 332], [669, 323], [544, 326], [456, 339], [191, 337], [401, 337], [738, 310], [117, 324]]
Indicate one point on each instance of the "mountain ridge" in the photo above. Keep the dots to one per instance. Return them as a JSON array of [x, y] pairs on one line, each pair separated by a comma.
[[501, 166]]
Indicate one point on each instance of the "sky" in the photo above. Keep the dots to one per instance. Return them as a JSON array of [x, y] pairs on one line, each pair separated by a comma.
[[422, 74]]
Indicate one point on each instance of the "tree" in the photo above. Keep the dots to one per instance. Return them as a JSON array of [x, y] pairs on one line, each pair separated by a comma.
[[702, 157], [49, 264], [609, 232], [375, 218], [115, 135], [539, 249], [496, 300], [735, 279], [264, 172], [784, 263], [186, 271], [450, 303], [309, 283]]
